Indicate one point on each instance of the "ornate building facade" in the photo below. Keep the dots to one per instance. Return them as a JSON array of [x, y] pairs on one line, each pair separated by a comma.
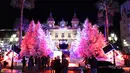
[[61, 33]]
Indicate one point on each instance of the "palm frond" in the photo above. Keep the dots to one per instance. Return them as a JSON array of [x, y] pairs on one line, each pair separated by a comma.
[[29, 4], [16, 3]]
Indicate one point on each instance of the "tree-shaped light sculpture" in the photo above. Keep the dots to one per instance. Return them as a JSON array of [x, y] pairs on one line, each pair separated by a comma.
[[39, 42], [27, 41], [92, 41]]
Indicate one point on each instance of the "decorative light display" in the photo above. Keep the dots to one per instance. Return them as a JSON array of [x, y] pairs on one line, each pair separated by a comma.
[[92, 41], [75, 44], [89, 41], [34, 42]]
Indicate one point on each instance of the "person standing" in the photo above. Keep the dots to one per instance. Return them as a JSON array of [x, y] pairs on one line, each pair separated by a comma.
[[44, 61], [48, 61], [39, 63], [57, 65], [52, 65], [23, 63], [65, 64], [36, 63], [30, 64], [93, 63]]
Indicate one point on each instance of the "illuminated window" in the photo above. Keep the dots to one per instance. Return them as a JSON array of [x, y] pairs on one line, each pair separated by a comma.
[[62, 35], [75, 33], [69, 35], [56, 35]]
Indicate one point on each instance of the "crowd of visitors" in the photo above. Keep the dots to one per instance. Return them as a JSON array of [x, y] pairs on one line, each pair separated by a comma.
[[35, 62], [57, 65], [60, 65]]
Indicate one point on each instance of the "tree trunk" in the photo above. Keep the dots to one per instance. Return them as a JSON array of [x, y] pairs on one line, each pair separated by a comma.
[[21, 22], [106, 24]]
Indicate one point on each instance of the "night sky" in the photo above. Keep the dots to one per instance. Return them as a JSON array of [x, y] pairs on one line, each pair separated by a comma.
[[59, 8]]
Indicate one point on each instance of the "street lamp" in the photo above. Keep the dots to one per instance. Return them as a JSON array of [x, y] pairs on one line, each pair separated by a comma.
[[13, 40], [125, 43], [113, 38]]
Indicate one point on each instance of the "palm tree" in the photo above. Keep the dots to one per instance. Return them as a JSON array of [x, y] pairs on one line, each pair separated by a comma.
[[109, 6], [28, 4]]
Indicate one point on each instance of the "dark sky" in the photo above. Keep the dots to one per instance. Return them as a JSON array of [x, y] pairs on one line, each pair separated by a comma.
[[60, 9]]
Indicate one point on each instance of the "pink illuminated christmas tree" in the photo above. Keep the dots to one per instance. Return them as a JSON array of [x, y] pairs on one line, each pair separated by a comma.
[[34, 43], [27, 41], [92, 41], [39, 42]]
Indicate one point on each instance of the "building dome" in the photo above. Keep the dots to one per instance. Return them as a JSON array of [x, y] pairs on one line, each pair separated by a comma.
[[75, 18], [50, 21], [50, 18], [75, 21], [63, 23]]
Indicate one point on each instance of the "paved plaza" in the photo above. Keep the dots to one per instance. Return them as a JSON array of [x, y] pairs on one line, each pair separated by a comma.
[[71, 70], [5, 70]]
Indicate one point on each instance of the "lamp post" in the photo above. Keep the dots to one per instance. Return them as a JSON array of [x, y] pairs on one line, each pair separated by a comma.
[[13, 40], [113, 38]]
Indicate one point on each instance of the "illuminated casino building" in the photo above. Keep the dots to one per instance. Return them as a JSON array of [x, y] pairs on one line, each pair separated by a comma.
[[62, 33]]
